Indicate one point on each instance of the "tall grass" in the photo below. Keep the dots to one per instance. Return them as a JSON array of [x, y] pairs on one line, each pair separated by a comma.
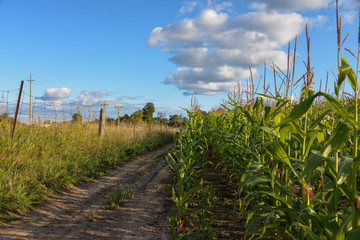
[[43, 160]]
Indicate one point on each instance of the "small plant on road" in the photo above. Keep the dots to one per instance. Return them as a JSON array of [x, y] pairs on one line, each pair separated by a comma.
[[118, 197]]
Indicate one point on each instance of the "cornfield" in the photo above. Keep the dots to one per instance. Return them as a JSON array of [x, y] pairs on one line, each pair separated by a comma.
[[271, 171]]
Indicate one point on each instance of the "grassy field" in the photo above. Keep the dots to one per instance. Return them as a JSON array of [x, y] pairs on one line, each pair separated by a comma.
[[44, 160]]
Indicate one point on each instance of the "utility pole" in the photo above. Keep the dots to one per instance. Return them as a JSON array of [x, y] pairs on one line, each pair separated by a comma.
[[30, 111], [102, 116], [118, 110], [104, 104]]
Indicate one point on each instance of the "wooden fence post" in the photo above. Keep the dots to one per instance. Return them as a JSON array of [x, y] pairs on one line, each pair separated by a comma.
[[102, 123], [17, 110]]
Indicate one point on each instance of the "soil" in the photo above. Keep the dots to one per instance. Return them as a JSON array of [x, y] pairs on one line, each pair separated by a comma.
[[79, 212]]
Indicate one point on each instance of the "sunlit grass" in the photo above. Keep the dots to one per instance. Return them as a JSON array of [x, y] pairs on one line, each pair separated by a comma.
[[43, 160]]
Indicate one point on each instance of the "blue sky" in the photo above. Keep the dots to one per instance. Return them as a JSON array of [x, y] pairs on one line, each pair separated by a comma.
[[130, 52]]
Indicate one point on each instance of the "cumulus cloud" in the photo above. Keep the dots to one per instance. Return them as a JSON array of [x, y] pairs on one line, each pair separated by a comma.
[[289, 5], [349, 3], [98, 93], [88, 100], [56, 94], [206, 81], [93, 98], [349, 16], [188, 7], [318, 21], [214, 50], [121, 98], [223, 6]]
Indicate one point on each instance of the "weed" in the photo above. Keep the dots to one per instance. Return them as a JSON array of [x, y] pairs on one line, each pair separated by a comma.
[[118, 197]]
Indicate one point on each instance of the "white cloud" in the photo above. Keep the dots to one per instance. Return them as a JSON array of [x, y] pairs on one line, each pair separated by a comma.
[[121, 98], [349, 10], [181, 31], [97, 93], [206, 81], [349, 16], [223, 6], [318, 21], [188, 7], [87, 100], [209, 18], [93, 98], [214, 50], [350, 4], [278, 27], [56, 94], [289, 5]]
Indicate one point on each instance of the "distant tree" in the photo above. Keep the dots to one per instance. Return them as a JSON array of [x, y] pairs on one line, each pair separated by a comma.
[[125, 118], [137, 117], [174, 120], [5, 118], [161, 117], [110, 121], [77, 118], [148, 111]]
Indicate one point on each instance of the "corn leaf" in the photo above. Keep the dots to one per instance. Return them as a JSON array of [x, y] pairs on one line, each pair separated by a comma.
[[339, 138], [330, 170], [279, 153], [277, 197], [271, 97], [314, 161], [353, 173], [278, 110], [353, 234], [297, 129], [338, 107], [284, 130], [344, 169], [258, 102], [318, 120], [312, 134], [270, 131], [336, 88], [253, 180], [267, 111], [310, 234], [345, 70], [299, 110]]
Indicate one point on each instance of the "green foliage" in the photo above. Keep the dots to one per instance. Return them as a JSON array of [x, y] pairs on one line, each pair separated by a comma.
[[293, 168], [6, 118], [137, 117], [176, 120], [125, 118], [77, 118], [44, 160], [148, 111], [118, 197]]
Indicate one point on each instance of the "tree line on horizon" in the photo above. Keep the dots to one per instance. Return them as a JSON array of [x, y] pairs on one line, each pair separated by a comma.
[[144, 115]]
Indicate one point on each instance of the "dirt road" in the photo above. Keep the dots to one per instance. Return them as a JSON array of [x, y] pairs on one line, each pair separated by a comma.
[[79, 212]]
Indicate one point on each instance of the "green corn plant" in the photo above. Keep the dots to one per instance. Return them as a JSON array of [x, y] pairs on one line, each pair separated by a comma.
[[186, 163], [295, 169]]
